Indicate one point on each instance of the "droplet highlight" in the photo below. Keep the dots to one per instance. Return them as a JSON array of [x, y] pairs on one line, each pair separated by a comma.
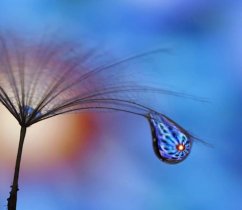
[[171, 143]]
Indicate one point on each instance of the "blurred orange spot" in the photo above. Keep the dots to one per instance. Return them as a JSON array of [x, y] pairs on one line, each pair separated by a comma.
[[47, 143]]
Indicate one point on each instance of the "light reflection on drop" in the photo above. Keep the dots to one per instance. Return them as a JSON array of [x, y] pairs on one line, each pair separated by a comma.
[[171, 143]]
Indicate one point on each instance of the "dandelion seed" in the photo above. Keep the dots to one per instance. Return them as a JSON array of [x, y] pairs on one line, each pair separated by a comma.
[[44, 80]]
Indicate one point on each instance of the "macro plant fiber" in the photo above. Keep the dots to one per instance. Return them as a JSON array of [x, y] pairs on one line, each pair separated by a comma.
[[40, 80]]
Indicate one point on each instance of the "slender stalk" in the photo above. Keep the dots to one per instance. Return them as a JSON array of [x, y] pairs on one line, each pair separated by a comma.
[[12, 200]]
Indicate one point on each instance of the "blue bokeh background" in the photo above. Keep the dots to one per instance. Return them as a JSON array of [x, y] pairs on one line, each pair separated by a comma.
[[205, 40]]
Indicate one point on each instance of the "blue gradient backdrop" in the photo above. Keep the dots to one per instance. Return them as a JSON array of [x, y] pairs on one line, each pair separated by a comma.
[[123, 173]]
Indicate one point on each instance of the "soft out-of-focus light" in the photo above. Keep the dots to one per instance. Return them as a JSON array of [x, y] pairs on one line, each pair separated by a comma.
[[47, 143], [161, 4]]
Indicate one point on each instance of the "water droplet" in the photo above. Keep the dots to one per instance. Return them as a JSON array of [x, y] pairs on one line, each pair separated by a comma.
[[171, 143]]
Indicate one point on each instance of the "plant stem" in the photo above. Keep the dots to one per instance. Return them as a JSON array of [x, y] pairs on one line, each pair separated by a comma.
[[12, 200]]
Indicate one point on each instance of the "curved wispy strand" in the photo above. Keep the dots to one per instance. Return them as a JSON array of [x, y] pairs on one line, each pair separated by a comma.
[[41, 80]]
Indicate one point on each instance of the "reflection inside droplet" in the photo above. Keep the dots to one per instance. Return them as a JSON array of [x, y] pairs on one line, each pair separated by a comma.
[[171, 143], [180, 147]]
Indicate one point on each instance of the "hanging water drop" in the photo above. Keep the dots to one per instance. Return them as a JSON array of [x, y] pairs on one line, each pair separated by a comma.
[[171, 143]]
